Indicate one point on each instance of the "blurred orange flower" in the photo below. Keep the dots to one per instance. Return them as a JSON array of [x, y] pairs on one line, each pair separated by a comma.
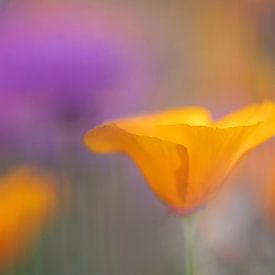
[[183, 153], [261, 181], [268, 200], [27, 198]]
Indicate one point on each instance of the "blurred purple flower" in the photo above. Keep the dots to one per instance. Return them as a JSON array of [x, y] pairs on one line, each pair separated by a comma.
[[71, 63]]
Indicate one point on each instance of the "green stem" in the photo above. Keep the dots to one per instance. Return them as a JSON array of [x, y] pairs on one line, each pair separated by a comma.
[[189, 224]]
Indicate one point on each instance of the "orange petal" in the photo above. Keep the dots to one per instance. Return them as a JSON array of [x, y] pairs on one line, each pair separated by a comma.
[[263, 114], [145, 124], [248, 115], [212, 153], [163, 164]]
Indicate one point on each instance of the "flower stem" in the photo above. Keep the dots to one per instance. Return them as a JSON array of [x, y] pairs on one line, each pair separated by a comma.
[[188, 224]]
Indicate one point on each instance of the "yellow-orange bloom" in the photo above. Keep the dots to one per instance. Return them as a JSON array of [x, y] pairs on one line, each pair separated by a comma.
[[27, 198], [183, 153]]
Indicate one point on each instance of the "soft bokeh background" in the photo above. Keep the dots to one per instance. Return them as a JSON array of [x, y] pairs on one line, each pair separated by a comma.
[[66, 66]]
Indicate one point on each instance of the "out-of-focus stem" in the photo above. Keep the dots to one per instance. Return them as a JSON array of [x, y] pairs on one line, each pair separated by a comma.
[[189, 228]]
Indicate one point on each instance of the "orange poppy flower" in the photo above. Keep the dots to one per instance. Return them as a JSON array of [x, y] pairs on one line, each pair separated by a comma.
[[27, 198], [184, 154]]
